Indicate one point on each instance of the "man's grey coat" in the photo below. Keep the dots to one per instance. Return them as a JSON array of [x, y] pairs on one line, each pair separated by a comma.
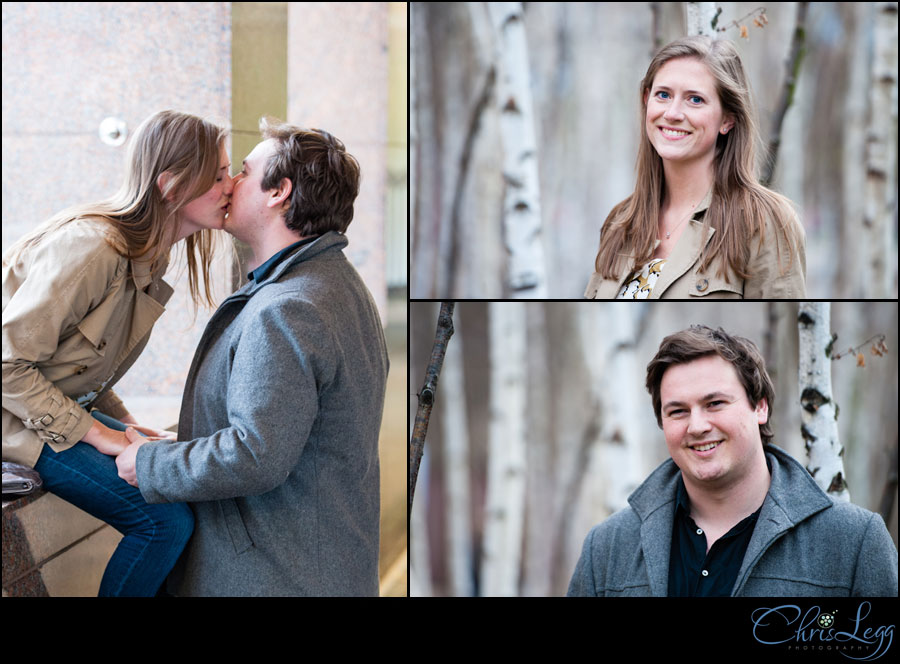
[[278, 436], [804, 544]]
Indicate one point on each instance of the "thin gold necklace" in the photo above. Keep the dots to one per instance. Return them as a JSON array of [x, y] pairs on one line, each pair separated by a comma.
[[669, 233]]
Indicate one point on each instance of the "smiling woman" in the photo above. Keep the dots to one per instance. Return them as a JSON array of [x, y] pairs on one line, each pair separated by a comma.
[[698, 223]]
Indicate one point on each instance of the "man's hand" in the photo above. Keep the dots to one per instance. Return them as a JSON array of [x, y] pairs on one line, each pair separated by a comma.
[[125, 462]]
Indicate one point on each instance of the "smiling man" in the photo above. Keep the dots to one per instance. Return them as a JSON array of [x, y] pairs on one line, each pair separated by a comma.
[[729, 514]]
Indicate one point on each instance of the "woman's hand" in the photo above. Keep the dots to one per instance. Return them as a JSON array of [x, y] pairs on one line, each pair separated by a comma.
[[106, 440], [154, 434]]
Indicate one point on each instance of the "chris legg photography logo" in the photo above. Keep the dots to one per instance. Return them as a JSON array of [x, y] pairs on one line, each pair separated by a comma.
[[820, 629]]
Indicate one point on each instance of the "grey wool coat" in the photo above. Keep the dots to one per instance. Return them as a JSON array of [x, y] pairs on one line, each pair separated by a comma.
[[277, 448], [804, 543]]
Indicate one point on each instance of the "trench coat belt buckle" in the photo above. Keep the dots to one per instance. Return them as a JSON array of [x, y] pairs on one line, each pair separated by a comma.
[[39, 422]]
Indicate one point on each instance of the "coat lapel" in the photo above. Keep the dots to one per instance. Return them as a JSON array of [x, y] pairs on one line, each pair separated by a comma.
[[686, 252], [654, 503], [151, 296], [792, 497]]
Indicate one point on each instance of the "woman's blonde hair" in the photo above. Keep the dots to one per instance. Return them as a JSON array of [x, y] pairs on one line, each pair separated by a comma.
[[740, 205], [142, 219]]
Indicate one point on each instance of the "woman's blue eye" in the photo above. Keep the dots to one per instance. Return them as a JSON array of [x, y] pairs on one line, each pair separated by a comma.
[[695, 99]]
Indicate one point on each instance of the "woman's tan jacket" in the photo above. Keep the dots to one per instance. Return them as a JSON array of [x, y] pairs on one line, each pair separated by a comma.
[[76, 315], [681, 278]]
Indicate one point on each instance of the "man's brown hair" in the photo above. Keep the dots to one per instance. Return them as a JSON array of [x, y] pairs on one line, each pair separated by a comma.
[[701, 341], [324, 177]]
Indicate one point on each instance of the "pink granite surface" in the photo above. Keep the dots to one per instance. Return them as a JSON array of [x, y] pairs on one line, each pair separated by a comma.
[[338, 81]]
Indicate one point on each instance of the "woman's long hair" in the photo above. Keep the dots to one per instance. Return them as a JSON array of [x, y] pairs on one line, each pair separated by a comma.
[[142, 222], [740, 205]]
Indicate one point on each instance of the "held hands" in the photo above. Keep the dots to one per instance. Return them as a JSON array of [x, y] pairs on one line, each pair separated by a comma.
[[112, 442], [125, 461], [124, 445]]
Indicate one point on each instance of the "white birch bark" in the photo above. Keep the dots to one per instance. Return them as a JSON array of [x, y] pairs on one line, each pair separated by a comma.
[[818, 410], [526, 271], [609, 342], [504, 508], [456, 463], [699, 18], [880, 153]]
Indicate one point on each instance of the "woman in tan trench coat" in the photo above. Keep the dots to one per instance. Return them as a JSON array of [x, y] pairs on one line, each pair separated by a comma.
[[81, 294], [698, 223]]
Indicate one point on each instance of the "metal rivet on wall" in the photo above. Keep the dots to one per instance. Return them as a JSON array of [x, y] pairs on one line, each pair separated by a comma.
[[113, 131]]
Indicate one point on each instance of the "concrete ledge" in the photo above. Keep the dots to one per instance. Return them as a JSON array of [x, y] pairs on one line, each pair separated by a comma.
[[51, 548]]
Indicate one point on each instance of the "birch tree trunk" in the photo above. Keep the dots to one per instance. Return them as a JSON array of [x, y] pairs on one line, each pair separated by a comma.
[[526, 272], [699, 18], [880, 152], [621, 445], [541, 457], [504, 509], [456, 464], [819, 411]]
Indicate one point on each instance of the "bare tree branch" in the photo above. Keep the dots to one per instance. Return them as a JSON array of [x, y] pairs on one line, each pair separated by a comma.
[[426, 395]]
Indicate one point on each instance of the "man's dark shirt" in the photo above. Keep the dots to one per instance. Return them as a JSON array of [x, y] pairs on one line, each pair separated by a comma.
[[260, 273], [692, 571]]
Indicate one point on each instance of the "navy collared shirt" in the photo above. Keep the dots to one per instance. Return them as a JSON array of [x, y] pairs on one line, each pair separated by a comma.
[[692, 571], [260, 273]]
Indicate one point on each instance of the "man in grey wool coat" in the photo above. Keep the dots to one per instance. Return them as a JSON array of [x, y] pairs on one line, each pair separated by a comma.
[[729, 514], [277, 448]]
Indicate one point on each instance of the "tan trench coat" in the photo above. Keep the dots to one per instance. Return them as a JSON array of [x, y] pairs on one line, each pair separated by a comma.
[[76, 315], [680, 277]]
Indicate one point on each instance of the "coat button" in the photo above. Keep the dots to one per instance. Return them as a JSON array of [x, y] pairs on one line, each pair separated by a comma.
[[81, 370], [102, 344], [702, 285]]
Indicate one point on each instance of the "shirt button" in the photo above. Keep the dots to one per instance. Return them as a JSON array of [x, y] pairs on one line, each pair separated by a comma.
[[699, 531], [705, 573]]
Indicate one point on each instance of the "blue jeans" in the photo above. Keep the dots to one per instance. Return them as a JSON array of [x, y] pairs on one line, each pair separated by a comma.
[[153, 535]]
